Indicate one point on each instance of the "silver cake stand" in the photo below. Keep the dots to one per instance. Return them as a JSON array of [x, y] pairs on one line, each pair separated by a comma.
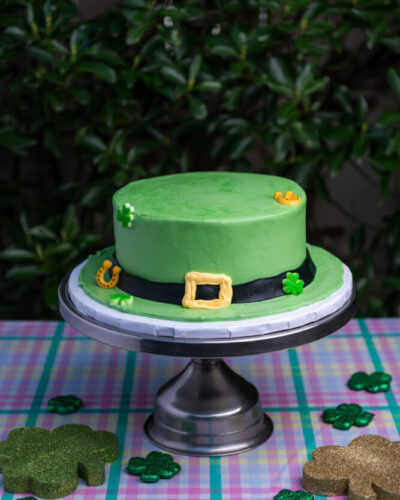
[[207, 409]]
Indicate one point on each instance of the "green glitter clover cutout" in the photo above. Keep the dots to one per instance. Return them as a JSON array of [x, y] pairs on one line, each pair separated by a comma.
[[375, 382], [122, 300], [155, 466], [48, 463], [292, 284], [294, 495], [126, 215], [64, 404], [345, 416]]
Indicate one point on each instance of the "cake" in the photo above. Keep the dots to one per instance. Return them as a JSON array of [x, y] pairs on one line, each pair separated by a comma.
[[210, 247]]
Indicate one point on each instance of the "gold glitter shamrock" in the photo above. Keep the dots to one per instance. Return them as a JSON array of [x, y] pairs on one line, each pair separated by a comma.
[[367, 469], [345, 415], [122, 300], [292, 284], [125, 215], [48, 463], [375, 382], [293, 495], [155, 466], [64, 404]]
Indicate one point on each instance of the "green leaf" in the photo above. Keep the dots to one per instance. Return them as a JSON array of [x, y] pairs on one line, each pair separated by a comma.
[[23, 272], [393, 78], [287, 113], [362, 109], [198, 108], [209, 86], [360, 145], [241, 146], [52, 142], [389, 118], [80, 95], [305, 78], [335, 160], [70, 224], [15, 142], [282, 145], [92, 142], [135, 33], [16, 31], [342, 95], [224, 51], [385, 163], [41, 55], [194, 68], [95, 194], [98, 69], [42, 232], [280, 72], [17, 254], [173, 75]]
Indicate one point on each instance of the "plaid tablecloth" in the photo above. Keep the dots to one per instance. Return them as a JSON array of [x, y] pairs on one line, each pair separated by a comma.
[[39, 360]]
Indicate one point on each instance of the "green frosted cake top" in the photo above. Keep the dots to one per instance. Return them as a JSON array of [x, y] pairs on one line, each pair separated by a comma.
[[203, 196]]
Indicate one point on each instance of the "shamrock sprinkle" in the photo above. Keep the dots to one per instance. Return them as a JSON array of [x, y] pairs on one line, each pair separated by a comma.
[[375, 382], [64, 404], [125, 215], [292, 284], [293, 495], [155, 466], [345, 415], [121, 299]]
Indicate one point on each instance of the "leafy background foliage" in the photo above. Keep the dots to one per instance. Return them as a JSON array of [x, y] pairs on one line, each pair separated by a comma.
[[296, 88]]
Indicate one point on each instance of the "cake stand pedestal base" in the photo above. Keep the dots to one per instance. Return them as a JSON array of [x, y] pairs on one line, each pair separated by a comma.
[[208, 409]]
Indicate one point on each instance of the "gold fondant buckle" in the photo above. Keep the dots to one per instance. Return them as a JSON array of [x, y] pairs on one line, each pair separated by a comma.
[[193, 279]]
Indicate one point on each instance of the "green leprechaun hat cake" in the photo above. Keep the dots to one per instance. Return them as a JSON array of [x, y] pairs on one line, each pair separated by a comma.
[[210, 247]]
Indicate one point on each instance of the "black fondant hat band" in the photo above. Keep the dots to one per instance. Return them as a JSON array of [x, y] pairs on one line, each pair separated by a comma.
[[254, 291]]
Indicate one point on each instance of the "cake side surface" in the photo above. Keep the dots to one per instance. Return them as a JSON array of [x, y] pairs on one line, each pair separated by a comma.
[[210, 222]]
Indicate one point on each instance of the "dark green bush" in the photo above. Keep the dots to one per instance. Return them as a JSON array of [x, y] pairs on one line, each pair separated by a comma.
[[152, 88]]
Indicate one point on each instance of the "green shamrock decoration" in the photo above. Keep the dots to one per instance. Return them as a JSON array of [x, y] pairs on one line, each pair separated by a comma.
[[122, 300], [292, 284], [293, 495], [155, 466], [27, 498], [64, 404], [125, 215], [49, 463], [375, 382], [346, 415]]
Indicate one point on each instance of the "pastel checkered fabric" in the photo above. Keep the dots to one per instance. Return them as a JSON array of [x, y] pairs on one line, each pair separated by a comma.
[[39, 360]]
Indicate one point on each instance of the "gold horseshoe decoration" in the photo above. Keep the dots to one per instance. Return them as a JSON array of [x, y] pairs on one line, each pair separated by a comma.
[[102, 271], [289, 199]]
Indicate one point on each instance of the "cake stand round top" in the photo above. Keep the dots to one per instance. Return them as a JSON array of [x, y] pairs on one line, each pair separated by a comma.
[[205, 347]]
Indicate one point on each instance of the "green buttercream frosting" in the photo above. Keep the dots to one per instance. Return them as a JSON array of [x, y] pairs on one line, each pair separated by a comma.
[[211, 222], [328, 279]]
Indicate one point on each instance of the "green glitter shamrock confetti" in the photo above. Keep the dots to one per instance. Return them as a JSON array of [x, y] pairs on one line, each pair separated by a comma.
[[27, 498], [125, 215], [155, 466], [121, 299], [293, 495], [346, 415], [292, 284], [48, 463], [375, 382], [64, 404]]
